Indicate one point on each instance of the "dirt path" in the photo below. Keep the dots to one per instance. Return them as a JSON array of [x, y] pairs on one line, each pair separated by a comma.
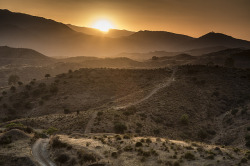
[[154, 91], [220, 131], [90, 123], [41, 154]]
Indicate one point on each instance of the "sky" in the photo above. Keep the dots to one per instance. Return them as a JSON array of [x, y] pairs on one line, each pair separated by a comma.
[[190, 17]]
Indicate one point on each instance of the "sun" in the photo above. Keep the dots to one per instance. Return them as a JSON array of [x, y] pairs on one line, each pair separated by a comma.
[[103, 25]]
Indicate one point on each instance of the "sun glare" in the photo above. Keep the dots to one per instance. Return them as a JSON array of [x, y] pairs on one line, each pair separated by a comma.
[[103, 25]]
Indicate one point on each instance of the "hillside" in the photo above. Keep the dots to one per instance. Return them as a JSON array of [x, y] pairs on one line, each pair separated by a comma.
[[23, 56], [213, 39], [157, 102]]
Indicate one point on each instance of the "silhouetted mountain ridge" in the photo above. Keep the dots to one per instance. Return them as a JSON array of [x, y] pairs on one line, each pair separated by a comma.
[[57, 39]]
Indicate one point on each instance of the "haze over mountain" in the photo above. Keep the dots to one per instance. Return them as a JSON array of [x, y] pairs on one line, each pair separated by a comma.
[[57, 39], [92, 31]]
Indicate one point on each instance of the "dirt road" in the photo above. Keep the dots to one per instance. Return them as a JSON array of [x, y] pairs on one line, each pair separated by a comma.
[[41, 154]]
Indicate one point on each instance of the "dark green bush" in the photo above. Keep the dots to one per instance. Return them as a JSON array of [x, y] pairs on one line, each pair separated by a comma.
[[62, 158], [189, 156], [138, 144], [120, 128], [184, 119], [5, 140]]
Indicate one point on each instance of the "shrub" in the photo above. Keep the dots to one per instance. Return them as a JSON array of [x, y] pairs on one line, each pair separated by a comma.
[[62, 158], [202, 134], [53, 89], [130, 111], [234, 111], [176, 163], [66, 111], [248, 144], [5, 140], [14, 126], [42, 85], [28, 87], [28, 105], [56, 143], [189, 156], [138, 144], [19, 83], [50, 131], [13, 79], [184, 119], [128, 148], [99, 113], [114, 154], [47, 75], [120, 128], [86, 157], [148, 140], [13, 89], [36, 92], [243, 160]]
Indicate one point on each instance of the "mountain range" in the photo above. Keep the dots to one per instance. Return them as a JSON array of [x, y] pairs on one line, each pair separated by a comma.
[[57, 39]]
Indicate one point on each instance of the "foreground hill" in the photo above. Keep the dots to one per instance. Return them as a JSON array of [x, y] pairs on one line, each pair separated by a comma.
[[53, 39], [202, 103]]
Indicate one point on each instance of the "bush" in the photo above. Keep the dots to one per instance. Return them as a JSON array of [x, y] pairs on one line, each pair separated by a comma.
[[184, 119], [114, 154], [86, 157], [28, 87], [248, 144], [120, 128], [189, 156], [234, 111], [56, 143], [62, 158], [50, 131], [13, 89], [99, 113], [19, 83], [243, 160], [66, 111], [53, 89], [130, 111], [202, 134], [14, 126], [5, 140], [148, 140], [138, 144]]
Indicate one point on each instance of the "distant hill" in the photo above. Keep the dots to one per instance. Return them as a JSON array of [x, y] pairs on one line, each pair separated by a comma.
[[22, 56], [92, 31], [216, 39], [56, 39]]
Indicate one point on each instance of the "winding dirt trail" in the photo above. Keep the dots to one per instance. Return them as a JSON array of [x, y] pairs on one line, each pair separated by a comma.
[[90, 123], [154, 91], [41, 154]]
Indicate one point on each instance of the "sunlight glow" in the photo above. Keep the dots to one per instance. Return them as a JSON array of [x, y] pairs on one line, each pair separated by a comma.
[[103, 25]]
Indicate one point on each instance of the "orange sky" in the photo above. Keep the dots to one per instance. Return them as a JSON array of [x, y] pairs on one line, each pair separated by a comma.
[[190, 17]]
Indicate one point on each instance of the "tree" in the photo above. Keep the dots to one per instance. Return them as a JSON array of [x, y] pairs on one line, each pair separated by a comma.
[[47, 75], [13, 79]]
